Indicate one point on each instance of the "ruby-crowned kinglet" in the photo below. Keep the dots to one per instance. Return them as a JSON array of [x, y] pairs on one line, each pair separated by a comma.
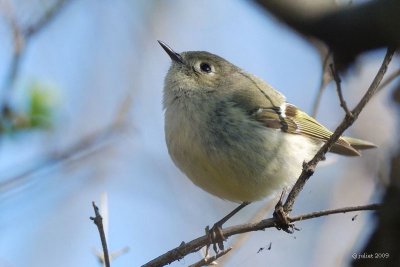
[[234, 135]]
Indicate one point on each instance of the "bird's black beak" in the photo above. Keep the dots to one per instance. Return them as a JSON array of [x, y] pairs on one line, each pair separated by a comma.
[[172, 54]]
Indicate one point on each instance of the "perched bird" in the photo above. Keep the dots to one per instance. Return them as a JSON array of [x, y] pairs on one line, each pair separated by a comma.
[[233, 134]]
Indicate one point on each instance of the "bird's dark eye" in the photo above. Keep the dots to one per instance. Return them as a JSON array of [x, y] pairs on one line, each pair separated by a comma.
[[205, 67]]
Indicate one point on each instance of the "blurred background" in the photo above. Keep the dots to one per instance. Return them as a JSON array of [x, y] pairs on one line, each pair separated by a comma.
[[82, 121]]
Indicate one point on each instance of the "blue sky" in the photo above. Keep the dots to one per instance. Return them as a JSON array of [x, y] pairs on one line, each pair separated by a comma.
[[95, 55]]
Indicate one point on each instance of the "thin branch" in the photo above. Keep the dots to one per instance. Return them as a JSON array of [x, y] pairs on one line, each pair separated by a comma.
[[325, 79], [44, 20], [98, 221], [21, 37], [209, 260], [18, 42], [318, 99], [90, 143], [334, 211], [84, 146], [308, 168], [196, 244], [258, 216], [389, 79], [338, 82], [386, 233]]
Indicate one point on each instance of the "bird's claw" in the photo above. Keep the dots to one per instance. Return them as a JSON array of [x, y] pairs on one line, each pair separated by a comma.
[[282, 221], [216, 237]]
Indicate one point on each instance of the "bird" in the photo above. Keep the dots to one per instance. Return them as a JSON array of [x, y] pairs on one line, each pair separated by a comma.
[[234, 135]]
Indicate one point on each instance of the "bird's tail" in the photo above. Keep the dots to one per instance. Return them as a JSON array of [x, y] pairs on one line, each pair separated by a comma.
[[352, 146]]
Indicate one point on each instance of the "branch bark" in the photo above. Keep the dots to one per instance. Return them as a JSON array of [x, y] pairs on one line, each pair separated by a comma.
[[326, 77], [196, 244], [98, 221], [338, 82], [21, 37], [86, 145], [210, 260], [393, 76], [383, 244], [308, 168]]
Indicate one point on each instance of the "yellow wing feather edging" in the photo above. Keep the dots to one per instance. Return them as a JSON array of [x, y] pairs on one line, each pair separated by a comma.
[[292, 120]]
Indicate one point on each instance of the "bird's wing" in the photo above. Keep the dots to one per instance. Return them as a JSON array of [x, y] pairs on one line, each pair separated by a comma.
[[269, 107], [288, 118]]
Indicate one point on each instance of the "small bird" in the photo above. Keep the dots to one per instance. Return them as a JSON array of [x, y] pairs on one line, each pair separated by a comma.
[[233, 134]]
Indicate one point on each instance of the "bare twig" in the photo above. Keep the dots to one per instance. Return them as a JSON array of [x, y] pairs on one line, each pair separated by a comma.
[[196, 244], [209, 260], [390, 78], [308, 168], [84, 146], [21, 37], [325, 79], [98, 221], [318, 98], [18, 47], [335, 211], [338, 82], [89, 143], [44, 20], [241, 239], [386, 233]]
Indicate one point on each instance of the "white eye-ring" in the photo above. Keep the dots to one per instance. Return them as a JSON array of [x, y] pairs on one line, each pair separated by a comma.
[[205, 67]]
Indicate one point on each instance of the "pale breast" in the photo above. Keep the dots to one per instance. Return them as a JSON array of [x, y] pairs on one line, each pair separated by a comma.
[[236, 159]]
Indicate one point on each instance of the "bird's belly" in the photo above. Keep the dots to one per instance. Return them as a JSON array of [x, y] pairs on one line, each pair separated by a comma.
[[242, 171]]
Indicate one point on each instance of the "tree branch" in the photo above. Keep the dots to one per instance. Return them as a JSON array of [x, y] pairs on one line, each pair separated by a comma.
[[98, 221], [20, 38], [90, 143], [325, 79], [308, 168], [389, 79], [209, 260], [335, 211], [241, 239], [338, 82], [386, 235], [44, 20], [196, 244]]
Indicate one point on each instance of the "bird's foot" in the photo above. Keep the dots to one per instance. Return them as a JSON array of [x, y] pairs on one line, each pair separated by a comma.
[[282, 220], [216, 237], [216, 234]]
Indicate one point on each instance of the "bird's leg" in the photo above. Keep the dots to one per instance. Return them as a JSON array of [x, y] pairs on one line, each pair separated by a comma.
[[215, 233], [281, 216]]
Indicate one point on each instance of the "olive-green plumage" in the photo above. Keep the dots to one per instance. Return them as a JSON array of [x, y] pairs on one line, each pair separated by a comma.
[[233, 134]]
